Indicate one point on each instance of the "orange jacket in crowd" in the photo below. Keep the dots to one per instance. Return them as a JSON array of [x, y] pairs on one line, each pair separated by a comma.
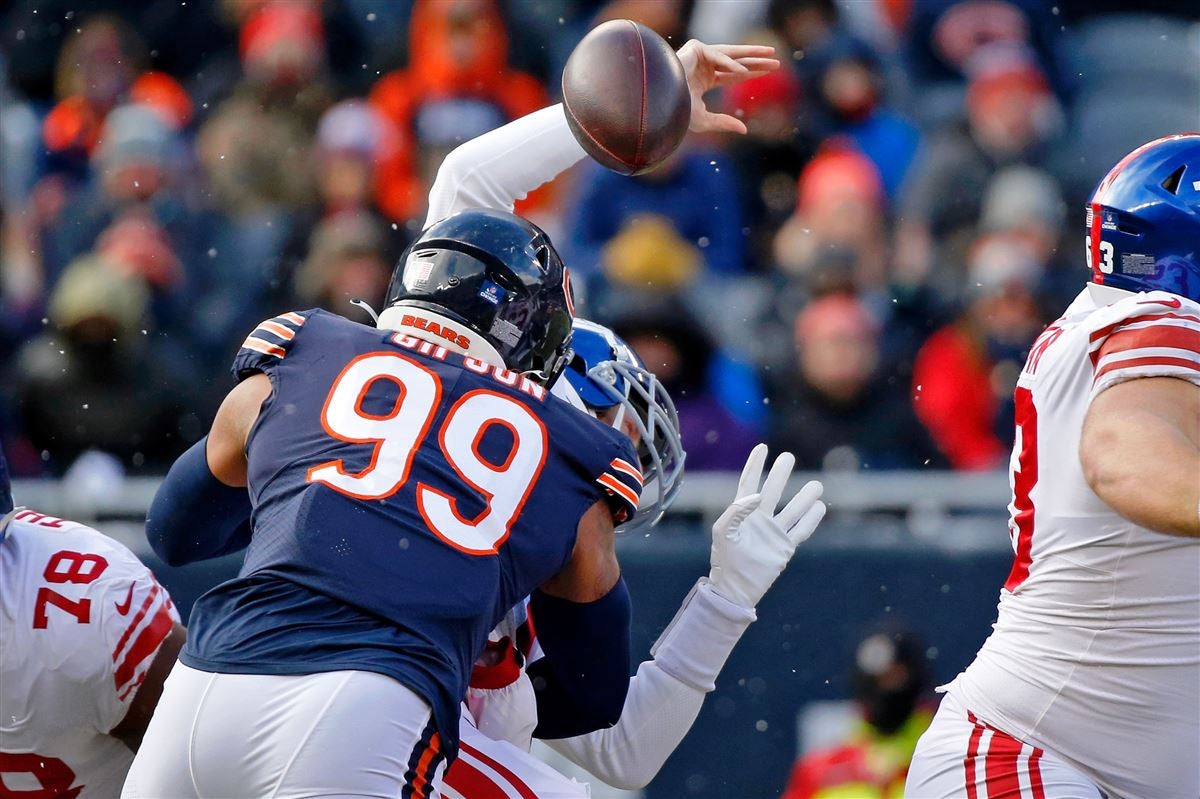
[[441, 34]]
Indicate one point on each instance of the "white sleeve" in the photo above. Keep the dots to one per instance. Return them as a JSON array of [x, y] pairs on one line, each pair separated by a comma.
[[502, 166], [666, 694], [1149, 335]]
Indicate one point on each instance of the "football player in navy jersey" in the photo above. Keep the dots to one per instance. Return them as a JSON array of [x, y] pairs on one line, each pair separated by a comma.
[[408, 487]]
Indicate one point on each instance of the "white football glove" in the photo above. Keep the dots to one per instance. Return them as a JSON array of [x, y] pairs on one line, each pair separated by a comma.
[[752, 544]]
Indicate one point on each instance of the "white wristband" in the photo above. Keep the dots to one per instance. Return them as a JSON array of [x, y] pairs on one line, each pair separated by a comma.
[[695, 645]]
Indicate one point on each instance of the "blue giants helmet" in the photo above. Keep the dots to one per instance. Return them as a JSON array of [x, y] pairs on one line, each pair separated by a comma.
[[606, 373], [1143, 220]]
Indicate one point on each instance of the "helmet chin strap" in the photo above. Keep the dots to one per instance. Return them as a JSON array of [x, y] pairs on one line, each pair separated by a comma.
[[401, 318]]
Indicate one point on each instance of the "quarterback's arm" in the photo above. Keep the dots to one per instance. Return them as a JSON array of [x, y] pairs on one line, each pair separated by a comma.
[[666, 694], [582, 617], [752, 544], [1140, 452], [502, 166], [201, 509]]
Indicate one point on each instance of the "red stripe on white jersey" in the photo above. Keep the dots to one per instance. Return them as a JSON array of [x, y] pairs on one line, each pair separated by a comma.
[[628, 468], [144, 646], [137, 619], [618, 488], [1172, 336], [464, 779], [1161, 362], [1107, 330]]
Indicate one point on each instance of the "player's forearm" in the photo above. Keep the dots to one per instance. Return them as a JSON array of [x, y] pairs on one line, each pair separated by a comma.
[[666, 695], [581, 683], [502, 166], [193, 515], [1146, 470], [659, 711]]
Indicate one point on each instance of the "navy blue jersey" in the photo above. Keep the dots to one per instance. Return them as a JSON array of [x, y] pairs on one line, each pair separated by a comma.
[[405, 498]]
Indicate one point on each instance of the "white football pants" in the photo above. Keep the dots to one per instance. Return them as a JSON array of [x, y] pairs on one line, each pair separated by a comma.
[[960, 757], [487, 768], [331, 735]]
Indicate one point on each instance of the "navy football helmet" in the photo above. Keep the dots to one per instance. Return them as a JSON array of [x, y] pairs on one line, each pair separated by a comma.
[[1143, 220], [606, 373], [499, 276]]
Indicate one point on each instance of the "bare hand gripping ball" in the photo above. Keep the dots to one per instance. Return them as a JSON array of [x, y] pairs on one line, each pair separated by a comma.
[[626, 97]]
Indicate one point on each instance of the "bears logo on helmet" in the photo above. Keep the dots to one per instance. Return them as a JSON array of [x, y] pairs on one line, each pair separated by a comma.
[[485, 275]]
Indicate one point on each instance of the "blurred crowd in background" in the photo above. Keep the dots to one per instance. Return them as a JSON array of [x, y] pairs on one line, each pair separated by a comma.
[[856, 280]]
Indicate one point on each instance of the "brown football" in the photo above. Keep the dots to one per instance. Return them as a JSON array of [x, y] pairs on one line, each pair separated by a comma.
[[626, 97]]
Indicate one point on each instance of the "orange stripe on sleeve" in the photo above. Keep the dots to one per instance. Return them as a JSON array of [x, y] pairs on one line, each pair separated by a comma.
[[258, 345], [285, 333], [627, 468], [294, 318], [618, 488]]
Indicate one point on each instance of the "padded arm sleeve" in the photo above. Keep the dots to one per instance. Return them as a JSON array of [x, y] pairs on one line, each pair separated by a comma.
[[194, 516], [581, 683], [502, 166], [666, 695]]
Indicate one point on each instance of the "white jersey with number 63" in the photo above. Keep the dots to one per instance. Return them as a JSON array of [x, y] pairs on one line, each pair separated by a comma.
[[1096, 653], [81, 620]]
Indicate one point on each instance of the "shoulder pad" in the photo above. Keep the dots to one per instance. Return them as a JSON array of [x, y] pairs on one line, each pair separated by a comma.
[[268, 344], [1155, 334]]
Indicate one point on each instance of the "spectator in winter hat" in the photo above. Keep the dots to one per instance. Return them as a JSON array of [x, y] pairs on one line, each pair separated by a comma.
[[458, 61], [835, 409], [135, 167], [96, 381], [1011, 119], [352, 140], [96, 67], [347, 260], [770, 157], [849, 95], [965, 373], [840, 206]]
